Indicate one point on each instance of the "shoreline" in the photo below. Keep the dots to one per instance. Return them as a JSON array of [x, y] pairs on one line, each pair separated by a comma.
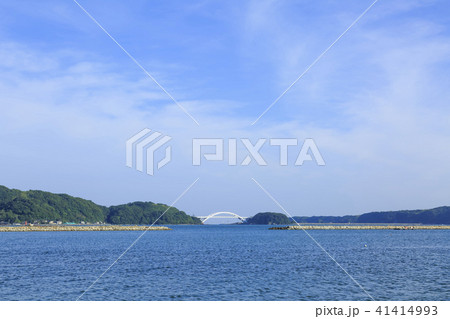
[[159, 228], [391, 227], [80, 228]]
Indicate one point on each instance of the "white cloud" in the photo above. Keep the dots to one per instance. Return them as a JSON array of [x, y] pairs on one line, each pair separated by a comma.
[[377, 107]]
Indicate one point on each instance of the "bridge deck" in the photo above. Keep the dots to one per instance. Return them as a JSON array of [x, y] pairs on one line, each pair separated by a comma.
[[201, 217], [221, 215]]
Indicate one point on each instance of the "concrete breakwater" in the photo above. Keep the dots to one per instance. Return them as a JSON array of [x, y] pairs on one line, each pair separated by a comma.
[[79, 228], [392, 227]]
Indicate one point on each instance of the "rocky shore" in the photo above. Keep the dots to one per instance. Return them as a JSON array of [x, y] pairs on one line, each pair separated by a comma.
[[79, 228], [392, 227]]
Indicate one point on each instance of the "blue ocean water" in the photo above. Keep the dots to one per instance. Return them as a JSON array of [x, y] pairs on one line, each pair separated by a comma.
[[229, 262]]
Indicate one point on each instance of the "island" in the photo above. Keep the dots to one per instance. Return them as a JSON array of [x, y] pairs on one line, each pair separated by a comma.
[[268, 218]]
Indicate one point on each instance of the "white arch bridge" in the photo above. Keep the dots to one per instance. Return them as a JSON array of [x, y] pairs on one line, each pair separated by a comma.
[[222, 215]]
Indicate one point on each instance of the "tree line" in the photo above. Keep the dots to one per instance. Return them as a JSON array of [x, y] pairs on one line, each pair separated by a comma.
[[38, 206]]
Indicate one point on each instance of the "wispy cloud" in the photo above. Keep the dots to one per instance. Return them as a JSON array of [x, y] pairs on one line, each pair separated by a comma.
[[377, 107]]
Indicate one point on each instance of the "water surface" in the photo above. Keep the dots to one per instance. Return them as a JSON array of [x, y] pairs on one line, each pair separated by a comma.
[[226, 263]]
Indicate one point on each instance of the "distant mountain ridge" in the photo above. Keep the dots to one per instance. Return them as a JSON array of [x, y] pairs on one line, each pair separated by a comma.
[[19, 206], [434, 216], [437, 216]]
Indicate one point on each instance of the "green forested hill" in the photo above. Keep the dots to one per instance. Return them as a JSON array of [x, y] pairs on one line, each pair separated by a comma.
[[7, 194], [269, 219], [18, 206], [147, 213]]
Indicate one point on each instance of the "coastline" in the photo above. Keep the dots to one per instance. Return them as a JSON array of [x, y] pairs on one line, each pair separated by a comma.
[[361, 227], [41, 228], [80, 228]]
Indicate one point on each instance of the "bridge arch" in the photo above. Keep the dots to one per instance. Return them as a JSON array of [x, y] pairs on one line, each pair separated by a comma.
[[213, 215]]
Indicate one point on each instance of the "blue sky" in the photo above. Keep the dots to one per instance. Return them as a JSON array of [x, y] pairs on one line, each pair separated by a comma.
[[377, 104]]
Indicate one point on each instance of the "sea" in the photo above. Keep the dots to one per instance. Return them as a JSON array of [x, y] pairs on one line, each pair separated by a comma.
[[226, 262]]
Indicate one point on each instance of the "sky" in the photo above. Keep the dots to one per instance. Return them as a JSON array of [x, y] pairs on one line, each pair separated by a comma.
[[376, 104]]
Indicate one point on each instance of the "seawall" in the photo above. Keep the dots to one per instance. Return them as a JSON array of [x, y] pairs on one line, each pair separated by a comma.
[[80, 228], [392, 227]]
